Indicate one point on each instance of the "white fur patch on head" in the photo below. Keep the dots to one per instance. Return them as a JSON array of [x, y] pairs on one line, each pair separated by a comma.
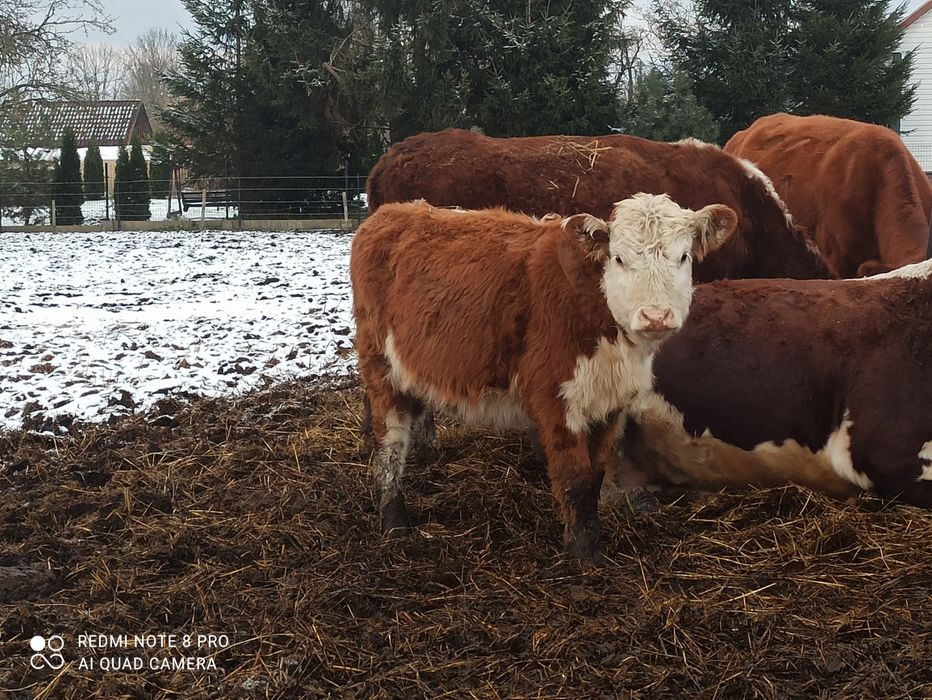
[[755, 173], [697, 143], [919, 270], [926, 454], [837, 451], [648, 270]]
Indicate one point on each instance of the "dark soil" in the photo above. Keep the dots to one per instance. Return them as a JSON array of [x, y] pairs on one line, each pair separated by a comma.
[[253, 518]]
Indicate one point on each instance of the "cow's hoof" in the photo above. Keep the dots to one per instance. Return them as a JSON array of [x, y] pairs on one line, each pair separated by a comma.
[[583, 542], [640, 500], [394, 519]]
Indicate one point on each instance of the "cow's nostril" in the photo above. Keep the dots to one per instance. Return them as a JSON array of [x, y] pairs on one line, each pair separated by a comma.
[[655, 318]]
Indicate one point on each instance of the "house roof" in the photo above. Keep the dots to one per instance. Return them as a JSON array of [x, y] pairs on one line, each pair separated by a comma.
[[108, 122], [916, 14]]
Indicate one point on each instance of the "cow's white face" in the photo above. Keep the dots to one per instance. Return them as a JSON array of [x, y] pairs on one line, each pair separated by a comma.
[[647, 249]]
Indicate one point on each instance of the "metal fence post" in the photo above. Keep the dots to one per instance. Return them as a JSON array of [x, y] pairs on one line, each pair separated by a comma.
[[53, 214], [106, 193], [203, 203]]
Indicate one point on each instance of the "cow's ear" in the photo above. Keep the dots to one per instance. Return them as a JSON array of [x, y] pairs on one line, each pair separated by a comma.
[[714, 225], [592, 233]]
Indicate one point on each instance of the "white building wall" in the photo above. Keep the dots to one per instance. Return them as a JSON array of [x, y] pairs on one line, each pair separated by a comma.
[[916, 127]]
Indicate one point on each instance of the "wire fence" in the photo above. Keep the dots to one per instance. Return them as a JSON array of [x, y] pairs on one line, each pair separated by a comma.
[[296, 197], [921, 148]]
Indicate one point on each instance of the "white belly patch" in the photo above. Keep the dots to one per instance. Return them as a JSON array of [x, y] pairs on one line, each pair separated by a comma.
[[495, 408]]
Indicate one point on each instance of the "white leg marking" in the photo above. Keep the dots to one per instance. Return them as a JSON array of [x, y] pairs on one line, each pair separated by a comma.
[[392, 453], [838, 453], [926, 454]]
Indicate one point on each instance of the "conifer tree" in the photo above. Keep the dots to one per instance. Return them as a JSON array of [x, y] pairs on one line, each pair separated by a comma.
[[748, 59], [122, 186], [141, 193], [93, 172], [844, 61], [67, 191], [161, 167], [663, 108]]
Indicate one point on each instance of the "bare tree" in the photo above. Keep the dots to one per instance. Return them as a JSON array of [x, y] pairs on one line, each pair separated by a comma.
[[96, 71], [148, 59], [34, 35]]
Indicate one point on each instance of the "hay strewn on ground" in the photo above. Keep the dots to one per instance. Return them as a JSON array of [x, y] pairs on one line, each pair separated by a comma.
[[252, 517]]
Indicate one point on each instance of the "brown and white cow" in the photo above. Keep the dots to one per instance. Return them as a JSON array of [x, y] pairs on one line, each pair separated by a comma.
[[573, 174], [508, 320], [854, 186], [827, 384]]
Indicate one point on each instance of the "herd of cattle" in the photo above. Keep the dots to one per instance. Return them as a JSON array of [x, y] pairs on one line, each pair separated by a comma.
[[547, 284]]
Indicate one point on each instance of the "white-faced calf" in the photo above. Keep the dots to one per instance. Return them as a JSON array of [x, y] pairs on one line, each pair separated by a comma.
[[511, 321]]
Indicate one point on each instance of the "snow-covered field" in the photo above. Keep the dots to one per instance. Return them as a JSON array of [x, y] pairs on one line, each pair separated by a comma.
[[99, 324]]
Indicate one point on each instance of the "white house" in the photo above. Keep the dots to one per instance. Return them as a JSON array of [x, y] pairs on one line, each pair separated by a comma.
[[916, 127]]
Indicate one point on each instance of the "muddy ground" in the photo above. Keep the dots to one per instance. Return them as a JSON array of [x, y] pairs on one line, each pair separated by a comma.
[[252, 518]]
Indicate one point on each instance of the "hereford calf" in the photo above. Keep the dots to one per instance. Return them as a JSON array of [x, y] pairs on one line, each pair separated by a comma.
[[827, 384], [517, 322]]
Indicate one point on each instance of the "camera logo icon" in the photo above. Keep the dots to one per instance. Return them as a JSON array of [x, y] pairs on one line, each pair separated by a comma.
[[53, 660]]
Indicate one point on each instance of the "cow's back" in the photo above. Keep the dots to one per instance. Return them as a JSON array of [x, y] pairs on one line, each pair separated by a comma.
[[854, 185], [576, 174], [826, 365], [451, 289]]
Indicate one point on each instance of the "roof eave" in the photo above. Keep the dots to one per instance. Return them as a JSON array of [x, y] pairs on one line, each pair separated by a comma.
[[916, 14]]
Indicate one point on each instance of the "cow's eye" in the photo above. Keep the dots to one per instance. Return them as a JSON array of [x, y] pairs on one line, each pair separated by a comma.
[[684, 259], [619, 261]]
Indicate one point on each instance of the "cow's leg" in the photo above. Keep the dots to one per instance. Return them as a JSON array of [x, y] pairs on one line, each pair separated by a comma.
[[392, 427], [575, 481], [424, 434], [627, 482], [390, 418]]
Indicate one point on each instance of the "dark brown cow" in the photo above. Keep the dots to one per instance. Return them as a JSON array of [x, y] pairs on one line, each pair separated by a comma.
[[507, 320], [854, 186], [823, 383], [572, 174]]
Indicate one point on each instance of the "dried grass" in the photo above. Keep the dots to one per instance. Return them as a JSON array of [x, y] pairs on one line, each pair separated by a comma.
[[585, 154], [252, 517]]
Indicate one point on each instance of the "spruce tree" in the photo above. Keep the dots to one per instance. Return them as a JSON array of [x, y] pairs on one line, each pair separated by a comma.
[[662, 107], [160, 168], [122, 186], [141, 193], [93, 172], [738, 56], [509, 67], [843, 63], [748, 59], [67, 191]]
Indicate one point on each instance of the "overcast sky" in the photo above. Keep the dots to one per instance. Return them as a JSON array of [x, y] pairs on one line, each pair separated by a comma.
[[133, 17]]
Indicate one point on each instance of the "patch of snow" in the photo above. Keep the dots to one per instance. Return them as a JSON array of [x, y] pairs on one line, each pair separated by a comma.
[[97, 324]]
